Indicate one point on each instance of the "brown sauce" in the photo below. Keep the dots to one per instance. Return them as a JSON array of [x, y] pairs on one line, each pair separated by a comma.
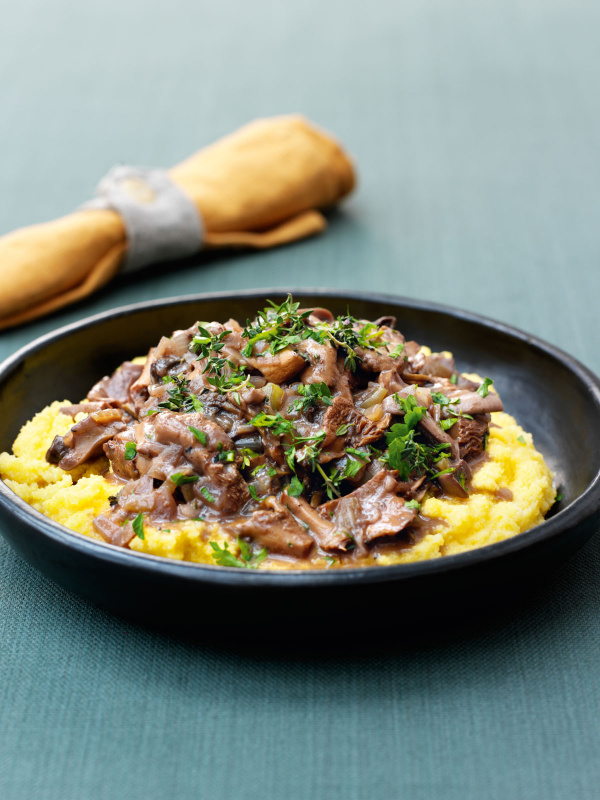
[[476, 462]]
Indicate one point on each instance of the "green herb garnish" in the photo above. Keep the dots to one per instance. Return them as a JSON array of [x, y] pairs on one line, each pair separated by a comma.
[[200, 435], [179, 479], [225, 558], [279, 425], [442, 400], [130, 451], [284, 326], [446, 424], [483, 390], [221, 373], [180, 396], [358, 453], [138, 526], [312, 394], [442, 472], [405, 453], [206, 494], [296, 487]]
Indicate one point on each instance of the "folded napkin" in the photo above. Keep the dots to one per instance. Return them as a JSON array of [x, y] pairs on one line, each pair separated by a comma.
[[259, 187]]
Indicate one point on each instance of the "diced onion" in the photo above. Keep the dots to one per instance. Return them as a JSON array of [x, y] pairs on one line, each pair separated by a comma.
[[373, 398], [180, 343], [275, 394], [376, 413]]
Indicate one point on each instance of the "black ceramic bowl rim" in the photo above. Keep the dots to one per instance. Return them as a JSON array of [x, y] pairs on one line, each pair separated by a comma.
[[574, 514]]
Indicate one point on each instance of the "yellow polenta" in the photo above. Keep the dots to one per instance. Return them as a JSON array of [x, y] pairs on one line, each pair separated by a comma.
[[75, 498]]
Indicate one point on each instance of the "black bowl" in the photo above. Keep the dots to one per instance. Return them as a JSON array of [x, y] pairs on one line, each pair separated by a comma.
[[551, 394]]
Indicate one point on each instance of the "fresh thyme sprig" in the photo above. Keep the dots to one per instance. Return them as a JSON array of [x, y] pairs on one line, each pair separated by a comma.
[[221, 373], [180, 396]]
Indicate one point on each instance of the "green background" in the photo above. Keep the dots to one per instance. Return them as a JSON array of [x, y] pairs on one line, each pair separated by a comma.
[[475, 127]]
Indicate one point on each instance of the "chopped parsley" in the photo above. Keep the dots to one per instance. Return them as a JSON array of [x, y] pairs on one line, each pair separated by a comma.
[[358, 453], [247, 455], [179, 479], [130, 451], [279, 425], [334, 479], [442, 472], [206, 494], [248, 554], [197, 405], [311, 395], [200, 435], [296, 487], [446, 424], [413, 504], [521, 439], [248, 558], [312, 448], [405, 453], [138, 526], [443, 400], [484, 389]]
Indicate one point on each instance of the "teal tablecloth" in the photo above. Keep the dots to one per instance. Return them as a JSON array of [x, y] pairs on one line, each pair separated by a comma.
[[476, 128]]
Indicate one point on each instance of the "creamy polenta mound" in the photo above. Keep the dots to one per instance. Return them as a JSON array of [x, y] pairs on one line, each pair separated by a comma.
[[510, 493]]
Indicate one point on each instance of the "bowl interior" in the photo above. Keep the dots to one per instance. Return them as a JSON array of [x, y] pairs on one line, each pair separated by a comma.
[[555, 400]]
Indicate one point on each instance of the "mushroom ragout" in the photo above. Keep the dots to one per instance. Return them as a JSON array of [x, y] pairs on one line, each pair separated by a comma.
[[300, 433]]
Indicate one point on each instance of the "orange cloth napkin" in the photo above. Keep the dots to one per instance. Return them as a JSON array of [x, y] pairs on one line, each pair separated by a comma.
[[259, 187]]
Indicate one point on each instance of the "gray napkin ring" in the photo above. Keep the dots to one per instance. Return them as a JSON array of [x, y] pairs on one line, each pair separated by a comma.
[[161, 221]]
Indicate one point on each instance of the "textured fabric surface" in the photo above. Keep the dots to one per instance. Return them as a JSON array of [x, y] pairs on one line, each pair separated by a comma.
[[476, 129]]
